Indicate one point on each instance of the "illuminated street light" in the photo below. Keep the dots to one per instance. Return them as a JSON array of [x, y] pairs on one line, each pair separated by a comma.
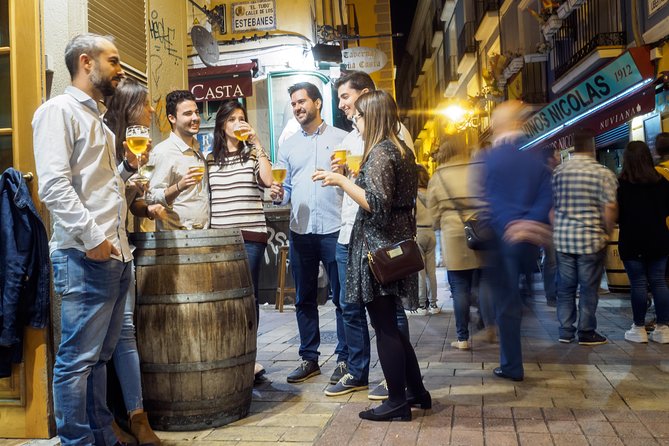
[[459, 117]]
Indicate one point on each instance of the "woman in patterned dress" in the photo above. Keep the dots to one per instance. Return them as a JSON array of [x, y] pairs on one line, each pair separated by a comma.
[[386, 190]]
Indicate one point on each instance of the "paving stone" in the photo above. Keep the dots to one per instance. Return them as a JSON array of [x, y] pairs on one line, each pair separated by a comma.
[[570, 440], [601, 428], [527, 412], [604, 441], [499, 424], [534, 439], [501, 438], [557, 413], [497, 412], [466, 438], [563, 427], [531, 425]]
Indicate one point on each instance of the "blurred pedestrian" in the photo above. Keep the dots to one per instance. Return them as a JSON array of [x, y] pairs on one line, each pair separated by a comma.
[[451, 202], [643, 201], [427, 278], [386, 191], [662, 149], [517, 189]]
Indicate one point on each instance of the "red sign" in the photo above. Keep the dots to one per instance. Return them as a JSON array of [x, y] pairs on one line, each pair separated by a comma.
[[218, 83]]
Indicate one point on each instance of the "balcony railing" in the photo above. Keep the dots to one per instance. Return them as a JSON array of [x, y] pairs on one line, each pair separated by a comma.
[[534, 83], [586, 29], [466, 41], [481, 8], [451, 69]]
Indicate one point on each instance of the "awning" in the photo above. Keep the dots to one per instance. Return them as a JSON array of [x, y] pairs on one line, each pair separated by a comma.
[[223, 82], [620, 90]]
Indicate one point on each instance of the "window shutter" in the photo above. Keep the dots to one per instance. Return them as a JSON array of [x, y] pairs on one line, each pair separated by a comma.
[[125, 20]]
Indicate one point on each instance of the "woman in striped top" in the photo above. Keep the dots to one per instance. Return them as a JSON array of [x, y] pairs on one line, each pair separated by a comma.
[[237, 175]]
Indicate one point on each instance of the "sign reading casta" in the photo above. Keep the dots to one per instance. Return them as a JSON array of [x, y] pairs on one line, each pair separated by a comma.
[[254, 15], [364, 59]]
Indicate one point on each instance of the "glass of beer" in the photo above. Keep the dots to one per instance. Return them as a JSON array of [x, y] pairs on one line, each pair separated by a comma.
[[197, 168], [278, 175], [137, 138], [353, 162], [340, 155], [241, 134]]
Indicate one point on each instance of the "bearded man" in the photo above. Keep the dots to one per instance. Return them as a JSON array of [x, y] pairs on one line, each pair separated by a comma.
[[315, 218], [84, 191]]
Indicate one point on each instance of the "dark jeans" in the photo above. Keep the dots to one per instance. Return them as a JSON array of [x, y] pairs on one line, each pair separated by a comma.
[[355, 324], [306, 251], [509, 262], [583, 271], [461, 291], [255, 251], [396, 354], [549, 269], [644, 273]]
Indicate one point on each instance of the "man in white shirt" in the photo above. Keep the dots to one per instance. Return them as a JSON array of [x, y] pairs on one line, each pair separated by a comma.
[[349, 88], [84, 191], [176, 182]]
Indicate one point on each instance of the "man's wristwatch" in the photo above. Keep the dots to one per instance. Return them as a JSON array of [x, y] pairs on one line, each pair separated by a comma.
[[128, 166]]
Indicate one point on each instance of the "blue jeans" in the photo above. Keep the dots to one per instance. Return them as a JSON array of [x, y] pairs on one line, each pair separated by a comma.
[[355, 324], [461, 291], [549, 267], [644, 273], [574, 271], [126, 357], [255, 252], [306, 251], [93, 296], [509, 262]]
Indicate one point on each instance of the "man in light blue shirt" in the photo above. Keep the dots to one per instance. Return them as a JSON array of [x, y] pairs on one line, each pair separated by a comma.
[[315, 218], [84, 191]]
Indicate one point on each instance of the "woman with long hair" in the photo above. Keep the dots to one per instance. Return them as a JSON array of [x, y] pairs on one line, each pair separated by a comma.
[[451, 201], [238, 173], [130, 105], [385, 190], [643, 202]]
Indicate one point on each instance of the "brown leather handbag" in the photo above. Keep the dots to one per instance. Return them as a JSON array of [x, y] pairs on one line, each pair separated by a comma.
[[396, 261]]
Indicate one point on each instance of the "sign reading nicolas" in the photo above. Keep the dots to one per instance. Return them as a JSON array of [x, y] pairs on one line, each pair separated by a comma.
[[624, 72]]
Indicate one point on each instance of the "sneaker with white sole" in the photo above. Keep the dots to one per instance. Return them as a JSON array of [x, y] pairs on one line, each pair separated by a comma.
[[380, 392], [347, 384], [340, 370], [461, 345], [420, 311], [636, 334], [660, 334], [434, 309]]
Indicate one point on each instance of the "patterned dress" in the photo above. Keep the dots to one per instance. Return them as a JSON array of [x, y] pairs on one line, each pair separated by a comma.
[[390, 183]]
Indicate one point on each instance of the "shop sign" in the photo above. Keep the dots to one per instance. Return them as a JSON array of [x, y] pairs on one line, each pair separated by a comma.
[[615, 78], [364, 59], [252, 16], [654, 5], [217, 89]]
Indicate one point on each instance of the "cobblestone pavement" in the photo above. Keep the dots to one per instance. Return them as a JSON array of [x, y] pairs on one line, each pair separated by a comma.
[[612, 394]]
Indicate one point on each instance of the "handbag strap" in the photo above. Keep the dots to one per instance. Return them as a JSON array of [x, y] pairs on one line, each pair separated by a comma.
[[455, 201]]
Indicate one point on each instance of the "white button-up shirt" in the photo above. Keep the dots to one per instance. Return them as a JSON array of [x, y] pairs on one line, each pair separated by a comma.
[[172, 159], [79, 181]]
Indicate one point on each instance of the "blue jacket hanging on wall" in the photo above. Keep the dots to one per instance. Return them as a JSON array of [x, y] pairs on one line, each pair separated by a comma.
[[24, 268]]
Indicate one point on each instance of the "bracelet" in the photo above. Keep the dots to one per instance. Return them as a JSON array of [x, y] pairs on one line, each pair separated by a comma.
[[260, 153], [127, 166], [177, 186]]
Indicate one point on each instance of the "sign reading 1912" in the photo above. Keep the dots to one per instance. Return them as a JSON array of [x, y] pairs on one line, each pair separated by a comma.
[[611, 80], [254, 15]]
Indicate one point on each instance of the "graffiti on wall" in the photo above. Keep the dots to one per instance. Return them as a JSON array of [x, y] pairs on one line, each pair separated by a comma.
[[164, 52]]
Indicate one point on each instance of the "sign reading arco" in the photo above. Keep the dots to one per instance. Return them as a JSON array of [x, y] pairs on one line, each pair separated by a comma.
[[623, 73]]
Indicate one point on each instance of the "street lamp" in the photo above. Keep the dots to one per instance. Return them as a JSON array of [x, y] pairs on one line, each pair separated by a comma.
[[459, 117]]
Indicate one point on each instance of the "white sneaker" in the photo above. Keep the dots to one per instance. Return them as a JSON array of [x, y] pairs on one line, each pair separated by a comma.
[[461, 345], [637, 334], [420, 311], [660, 334], [434, 309]]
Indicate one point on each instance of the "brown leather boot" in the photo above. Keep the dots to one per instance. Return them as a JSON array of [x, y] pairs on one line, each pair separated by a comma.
[[122, 436], [140, 428]]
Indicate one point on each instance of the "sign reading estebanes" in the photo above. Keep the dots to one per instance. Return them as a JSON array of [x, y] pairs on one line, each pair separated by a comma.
[[364, 59], [256, 15]]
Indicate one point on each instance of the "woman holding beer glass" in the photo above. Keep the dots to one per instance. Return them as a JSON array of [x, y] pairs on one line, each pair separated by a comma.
[[239, 170], [129, 112], [385, 189]]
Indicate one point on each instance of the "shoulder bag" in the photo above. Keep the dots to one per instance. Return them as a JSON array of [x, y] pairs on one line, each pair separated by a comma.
[[479, 234]]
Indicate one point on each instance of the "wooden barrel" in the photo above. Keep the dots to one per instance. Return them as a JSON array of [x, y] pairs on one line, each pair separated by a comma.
[[196, 327], [616, 277]]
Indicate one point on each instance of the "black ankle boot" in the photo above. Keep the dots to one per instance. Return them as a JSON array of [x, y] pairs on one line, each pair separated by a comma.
[[424, 400], [385, 413]]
